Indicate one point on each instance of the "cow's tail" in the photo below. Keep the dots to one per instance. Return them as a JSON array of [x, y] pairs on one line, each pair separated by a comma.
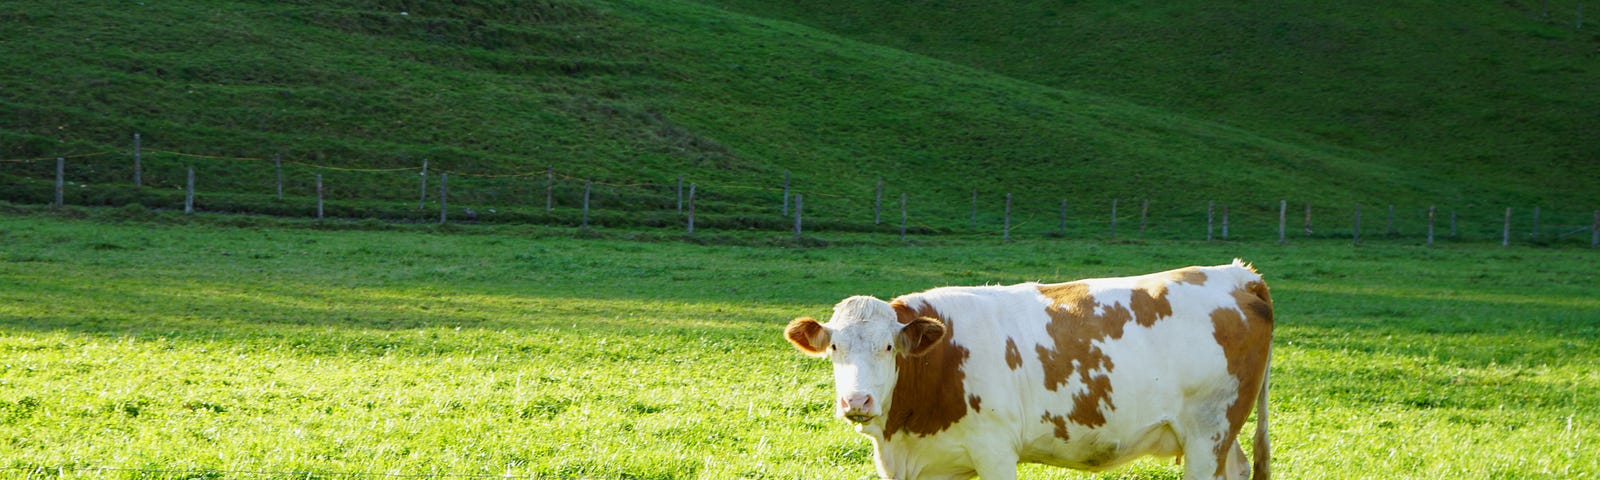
[[1261, 468]]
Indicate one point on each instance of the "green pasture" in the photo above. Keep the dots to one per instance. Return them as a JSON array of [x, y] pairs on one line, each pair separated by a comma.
[[160, 346]]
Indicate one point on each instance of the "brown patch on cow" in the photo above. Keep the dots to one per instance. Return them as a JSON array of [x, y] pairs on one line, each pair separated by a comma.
[[1149, 300], [929, 397], [976, 402], [1074, 326], [1245, 335], [1061, 425], [1013, 355], [1077, 320]]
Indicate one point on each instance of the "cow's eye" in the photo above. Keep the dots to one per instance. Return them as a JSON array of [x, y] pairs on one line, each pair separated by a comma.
[[889, 348], [834, 347]]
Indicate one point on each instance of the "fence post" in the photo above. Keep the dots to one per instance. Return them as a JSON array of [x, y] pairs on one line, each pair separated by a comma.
[[902, 216], [1453, 223], [1283, 212], [1355, 238], [1505, 238], [1594, 231], [444, 197], [1113, 219], [188, 197], [138, 165], [785, 193], [798, 206], [61, 182], [877, 205], [973, 223], [1006, 234], [587, 185], [319, 196], [680, 194], [1063, 229], [1430, 225], [1211, 217], [277, 168], [422, 201], [1224, 222], [691, 208], [1390, 228], [550, 190], [1144, 212], [1308, 219]]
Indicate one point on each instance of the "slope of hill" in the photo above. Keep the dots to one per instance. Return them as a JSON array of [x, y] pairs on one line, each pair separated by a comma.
[[1498, 95], [628, 93]]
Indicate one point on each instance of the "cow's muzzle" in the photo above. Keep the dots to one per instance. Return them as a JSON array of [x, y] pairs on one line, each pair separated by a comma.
[[857, 407]]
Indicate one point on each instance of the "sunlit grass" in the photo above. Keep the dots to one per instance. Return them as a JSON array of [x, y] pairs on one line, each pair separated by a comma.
[[205, 349]]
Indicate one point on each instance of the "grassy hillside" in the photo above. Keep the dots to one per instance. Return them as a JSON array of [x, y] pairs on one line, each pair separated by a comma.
[[1497, 95], [633, 94]]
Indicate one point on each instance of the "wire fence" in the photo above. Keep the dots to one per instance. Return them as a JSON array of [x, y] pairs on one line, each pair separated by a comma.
[[429, 192]]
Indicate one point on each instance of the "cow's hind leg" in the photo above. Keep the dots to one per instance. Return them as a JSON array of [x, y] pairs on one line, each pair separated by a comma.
[[1214, 458]]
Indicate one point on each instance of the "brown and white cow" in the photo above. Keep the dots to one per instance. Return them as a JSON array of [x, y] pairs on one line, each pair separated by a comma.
[[962, 381]]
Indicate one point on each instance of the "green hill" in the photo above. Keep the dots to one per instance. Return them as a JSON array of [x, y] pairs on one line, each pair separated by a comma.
[[1497, 95], [938, 102]]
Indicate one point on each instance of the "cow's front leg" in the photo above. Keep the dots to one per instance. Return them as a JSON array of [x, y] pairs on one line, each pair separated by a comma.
[[994, 464]]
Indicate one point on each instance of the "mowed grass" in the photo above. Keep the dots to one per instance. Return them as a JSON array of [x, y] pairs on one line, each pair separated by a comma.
[[159, 349]]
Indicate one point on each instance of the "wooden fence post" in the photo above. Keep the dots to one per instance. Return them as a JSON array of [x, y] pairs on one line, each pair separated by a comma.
[[587, 185], [1283, 212], [973, 223], [1113, 219], [422, 199], [138, 165], [1505, 238], [319, 196], [798, 207], [188, 197], [785, 193], [691, 209], [1063, 229], [550, 190], [1430, 225], [1355, 238], [902, 216], [1308, 219], [61, 183], [277, 168], [444, 197], [1224, 222], [1006, 235], [1390, 228], [877, 205], [1144, 213], [1211, 217]]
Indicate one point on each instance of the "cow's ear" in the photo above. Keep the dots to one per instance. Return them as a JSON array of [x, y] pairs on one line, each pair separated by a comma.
[[807, 335], [919, 336]]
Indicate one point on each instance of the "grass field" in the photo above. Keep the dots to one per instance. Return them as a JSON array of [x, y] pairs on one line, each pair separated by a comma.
[[160, 347]]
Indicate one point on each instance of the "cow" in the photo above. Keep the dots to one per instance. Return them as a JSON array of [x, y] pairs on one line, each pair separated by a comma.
[[961, 381]]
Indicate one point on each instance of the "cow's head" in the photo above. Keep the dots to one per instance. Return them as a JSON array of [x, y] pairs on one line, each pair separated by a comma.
[[862, 339]]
